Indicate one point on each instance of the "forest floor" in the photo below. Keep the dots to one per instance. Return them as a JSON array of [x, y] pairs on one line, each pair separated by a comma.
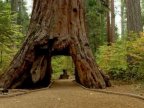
[[68, 94]]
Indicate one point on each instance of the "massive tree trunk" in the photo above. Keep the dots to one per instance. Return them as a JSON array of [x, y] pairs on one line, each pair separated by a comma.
[[57, 27]]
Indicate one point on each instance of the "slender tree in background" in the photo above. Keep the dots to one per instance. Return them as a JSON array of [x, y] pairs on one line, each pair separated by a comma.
[[109, 36], [14, 6], [57, 27], [134, 18], [142, 9], [112, 21], [123, 17]]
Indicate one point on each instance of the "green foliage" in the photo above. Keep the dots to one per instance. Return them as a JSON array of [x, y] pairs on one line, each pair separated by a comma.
[[23, 17], [10, 35], [113, 58], [5, 57], [96, 20], [8, 29], [136, 57], [62, 62], [124, 59]]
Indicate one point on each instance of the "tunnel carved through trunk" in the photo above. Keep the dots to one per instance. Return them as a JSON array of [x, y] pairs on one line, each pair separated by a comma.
[[57, 27]]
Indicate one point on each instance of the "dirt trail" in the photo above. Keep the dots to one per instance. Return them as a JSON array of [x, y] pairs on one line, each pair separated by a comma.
[[66, 94]]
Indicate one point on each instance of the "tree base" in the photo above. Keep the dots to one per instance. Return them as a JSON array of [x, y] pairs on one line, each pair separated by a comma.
[[57, 27]]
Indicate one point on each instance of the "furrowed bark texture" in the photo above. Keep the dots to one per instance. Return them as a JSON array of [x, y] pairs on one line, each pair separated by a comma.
[[57, 27], [134, 17]]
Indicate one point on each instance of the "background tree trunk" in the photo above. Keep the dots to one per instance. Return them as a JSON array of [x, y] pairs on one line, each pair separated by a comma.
[[123, 25], [14, 5], [134, 18], [57, 27], [109, 36], [113, 21]]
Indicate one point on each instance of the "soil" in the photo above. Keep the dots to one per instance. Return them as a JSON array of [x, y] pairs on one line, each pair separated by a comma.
[[123, 87], [67, 94]]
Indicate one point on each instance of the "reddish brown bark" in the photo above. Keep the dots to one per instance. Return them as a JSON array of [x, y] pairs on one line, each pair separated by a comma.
[[134, 18], [57, 28], [113, 21], [109, 38], [110, 22]]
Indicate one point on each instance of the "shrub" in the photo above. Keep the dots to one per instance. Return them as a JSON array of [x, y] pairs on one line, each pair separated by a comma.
[[124, 59]]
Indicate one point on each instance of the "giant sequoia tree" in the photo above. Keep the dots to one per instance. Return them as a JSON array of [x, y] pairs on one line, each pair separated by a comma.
[[57, 27]]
